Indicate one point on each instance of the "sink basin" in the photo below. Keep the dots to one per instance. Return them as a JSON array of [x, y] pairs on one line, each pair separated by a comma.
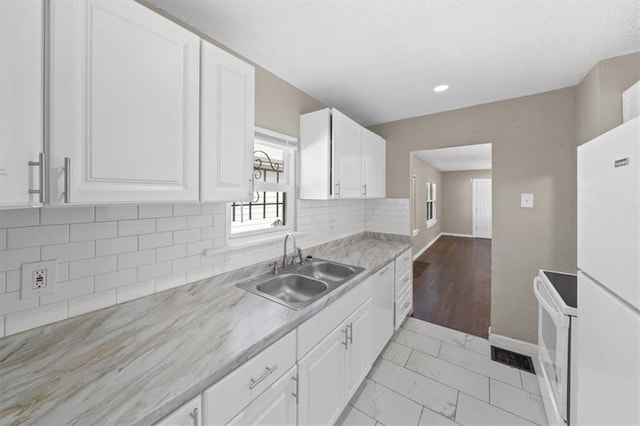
[[292, 287], [324, 270], [298, 286]]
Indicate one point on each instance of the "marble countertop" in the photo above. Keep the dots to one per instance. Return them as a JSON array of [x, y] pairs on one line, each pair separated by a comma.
[[136, 362]]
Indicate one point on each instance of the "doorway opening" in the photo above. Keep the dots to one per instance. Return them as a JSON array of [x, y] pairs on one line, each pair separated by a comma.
[[451, 201]]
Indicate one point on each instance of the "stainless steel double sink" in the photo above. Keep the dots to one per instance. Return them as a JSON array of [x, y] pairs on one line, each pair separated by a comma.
[[300, 285]]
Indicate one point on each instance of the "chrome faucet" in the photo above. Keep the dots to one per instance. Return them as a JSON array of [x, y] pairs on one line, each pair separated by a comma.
[[295, 247]]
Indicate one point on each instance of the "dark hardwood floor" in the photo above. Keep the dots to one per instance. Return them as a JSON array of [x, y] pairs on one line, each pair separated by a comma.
[[452, 284]]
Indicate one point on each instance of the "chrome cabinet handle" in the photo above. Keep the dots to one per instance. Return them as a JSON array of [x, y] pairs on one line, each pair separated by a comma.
[[40, 164], [364, 189], [350, 334], [255, 382], [295, 394], [346, 339], [337, 191], [67, 179], [194, 416]]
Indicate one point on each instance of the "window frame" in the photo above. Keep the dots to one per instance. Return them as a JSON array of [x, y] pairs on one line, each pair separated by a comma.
[[289, 145], [431, 197]]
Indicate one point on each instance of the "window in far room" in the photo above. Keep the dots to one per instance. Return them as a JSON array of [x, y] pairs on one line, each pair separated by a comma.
[[431, 204]]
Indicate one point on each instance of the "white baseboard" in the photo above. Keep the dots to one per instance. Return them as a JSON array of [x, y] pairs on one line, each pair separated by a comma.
[[429, 244], [514, 344], [451, 234]]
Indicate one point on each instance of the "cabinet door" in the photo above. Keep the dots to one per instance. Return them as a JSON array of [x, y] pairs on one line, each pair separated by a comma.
[[360, 353], [187, 415], [124, 105], [21, 101], [382, 308], [322, 382], [276, 406], [227, 126], [373, 165], [347, 157]]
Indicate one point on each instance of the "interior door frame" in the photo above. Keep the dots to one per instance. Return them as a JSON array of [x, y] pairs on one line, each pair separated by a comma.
[[474, 183]]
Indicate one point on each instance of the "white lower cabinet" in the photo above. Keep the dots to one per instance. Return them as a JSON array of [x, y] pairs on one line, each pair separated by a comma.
[[331, 372], [382, 307], [187, 415], [276, 406]]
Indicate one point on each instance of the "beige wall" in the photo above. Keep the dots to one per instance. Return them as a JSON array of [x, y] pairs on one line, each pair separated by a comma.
[[424, 172], [457, 200], [533, 148], [599, 95]]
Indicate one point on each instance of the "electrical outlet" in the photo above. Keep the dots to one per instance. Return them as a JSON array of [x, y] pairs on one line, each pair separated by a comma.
[[38, 279]]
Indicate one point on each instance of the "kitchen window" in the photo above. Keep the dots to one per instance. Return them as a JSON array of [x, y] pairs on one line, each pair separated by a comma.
[[271, 209], [431, 204]]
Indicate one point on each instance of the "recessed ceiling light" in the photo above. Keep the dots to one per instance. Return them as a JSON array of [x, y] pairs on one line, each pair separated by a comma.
[[441, 88]]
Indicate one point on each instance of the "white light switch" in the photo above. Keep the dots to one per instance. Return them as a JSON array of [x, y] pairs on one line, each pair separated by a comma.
[[526, 201], [38, 279]]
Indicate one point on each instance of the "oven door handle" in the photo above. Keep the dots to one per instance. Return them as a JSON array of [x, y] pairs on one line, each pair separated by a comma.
[[558, 317]]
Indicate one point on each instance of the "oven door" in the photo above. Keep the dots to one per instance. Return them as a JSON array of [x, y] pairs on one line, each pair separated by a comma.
[[553, 346]]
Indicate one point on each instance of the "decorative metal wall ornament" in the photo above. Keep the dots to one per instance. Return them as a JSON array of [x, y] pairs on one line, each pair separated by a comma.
[[259, 170]]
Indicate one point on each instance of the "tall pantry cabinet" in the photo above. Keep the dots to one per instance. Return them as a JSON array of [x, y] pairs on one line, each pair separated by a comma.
[[124, 105], [22, 171]]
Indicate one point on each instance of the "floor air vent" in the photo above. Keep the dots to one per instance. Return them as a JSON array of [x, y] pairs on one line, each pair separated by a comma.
[[512, 359]]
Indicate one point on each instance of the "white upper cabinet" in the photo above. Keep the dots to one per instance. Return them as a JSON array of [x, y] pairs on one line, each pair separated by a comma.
[[373, 165], [124, 105], [347, 156], [21, 103], [227, 126], [339, 158]]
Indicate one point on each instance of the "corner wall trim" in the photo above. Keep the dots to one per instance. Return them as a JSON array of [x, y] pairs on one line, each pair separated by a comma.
[[513, 344], [429, 244], [451, 234]]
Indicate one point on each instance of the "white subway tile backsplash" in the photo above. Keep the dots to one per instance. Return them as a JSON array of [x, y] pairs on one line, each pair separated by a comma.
[[19, 217], [150, 241], [134, 291], [3, 239], [171, 252], [115, 279], [156, 270], [69, 289], [199, 221], [137, 258], [91, 302], [151, 248], [89, 267], [32, 318], [13, 280], [93, 231], [116, 245], [106, 213], [13, 259], [172, 281], [186, 209], [11, 302], [154, 210], [187, 236], [171, 224], [136, 227], [58, 216], [67, 252], [32, 236]]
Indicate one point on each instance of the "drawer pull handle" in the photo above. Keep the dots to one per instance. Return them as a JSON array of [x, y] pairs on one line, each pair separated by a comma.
[[350, 332], [406, 280], [346, 338], [406, 305], [255, 382], [194, 416]]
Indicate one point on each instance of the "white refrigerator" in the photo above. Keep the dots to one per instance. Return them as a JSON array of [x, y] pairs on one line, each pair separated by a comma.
[[608, 346]]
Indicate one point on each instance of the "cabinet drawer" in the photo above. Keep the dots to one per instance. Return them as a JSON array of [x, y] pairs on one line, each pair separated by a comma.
[[187, 415], [403, 262], [403, 306], [403, 282], [316, 328], [224, 400]]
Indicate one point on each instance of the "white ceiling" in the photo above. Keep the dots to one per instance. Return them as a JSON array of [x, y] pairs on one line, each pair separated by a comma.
[[458, 158], [376, 61]]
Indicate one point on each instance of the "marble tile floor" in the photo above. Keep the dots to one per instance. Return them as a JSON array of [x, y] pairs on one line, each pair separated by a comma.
[[432, 375]]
